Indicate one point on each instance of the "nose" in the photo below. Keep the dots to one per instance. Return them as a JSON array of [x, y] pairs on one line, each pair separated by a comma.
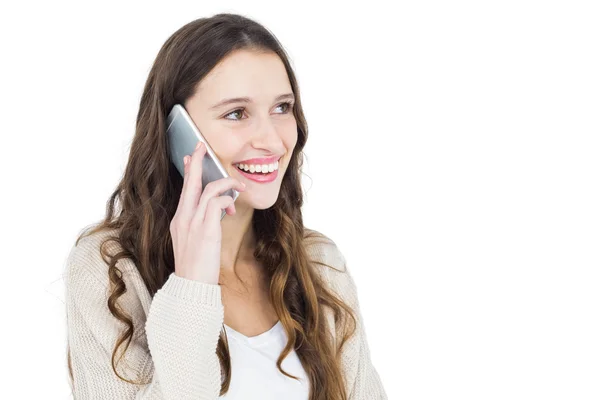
[[267, 136]]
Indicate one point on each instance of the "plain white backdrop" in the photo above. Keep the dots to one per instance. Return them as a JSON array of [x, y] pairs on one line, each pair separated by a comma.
[[453, 156]]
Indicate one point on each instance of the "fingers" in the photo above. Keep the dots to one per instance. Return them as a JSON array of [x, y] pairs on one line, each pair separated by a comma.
[[194, 203], [192, 183], [215, 189], [209, 223]]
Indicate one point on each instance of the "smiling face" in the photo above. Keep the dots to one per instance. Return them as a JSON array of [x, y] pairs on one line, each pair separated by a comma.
[[256, 132]]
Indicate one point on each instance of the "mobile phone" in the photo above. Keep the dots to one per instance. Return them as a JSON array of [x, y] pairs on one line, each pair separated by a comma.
[[183, 135]]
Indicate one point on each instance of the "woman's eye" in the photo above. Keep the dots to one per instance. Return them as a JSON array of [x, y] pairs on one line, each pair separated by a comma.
[[287, 107], [240, 111]]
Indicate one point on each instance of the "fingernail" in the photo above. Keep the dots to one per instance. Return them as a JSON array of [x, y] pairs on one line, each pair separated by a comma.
[[186, 160], [243, 184], [198, 145]]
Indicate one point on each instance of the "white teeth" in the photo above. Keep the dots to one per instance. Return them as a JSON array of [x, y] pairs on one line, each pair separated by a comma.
[[264, 168]]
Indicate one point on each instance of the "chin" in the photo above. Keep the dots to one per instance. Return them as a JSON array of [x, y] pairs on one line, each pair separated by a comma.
[[258, 201]]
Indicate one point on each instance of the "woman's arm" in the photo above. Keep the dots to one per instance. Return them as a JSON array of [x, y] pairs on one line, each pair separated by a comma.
[[362, 380], [356, 357], [173, 350]]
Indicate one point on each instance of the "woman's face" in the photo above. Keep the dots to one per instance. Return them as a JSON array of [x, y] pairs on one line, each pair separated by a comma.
[[262, 128]]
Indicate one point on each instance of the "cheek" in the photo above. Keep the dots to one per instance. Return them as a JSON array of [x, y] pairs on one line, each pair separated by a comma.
[[289, 135], [225, 144]]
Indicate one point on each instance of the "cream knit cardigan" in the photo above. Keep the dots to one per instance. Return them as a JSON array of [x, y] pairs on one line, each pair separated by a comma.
[[176, 331]]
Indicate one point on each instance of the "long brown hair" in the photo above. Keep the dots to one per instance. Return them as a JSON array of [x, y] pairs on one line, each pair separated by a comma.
[[150, 188]]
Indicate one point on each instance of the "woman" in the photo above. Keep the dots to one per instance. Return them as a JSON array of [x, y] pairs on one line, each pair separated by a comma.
[[165, 300]]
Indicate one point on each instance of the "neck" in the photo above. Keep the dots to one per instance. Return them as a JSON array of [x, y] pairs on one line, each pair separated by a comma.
[[237, 237]]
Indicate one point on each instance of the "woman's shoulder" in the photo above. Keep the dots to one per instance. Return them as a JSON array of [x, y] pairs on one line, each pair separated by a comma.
[[87, 258], [322, 248], [327, 258], [330, 263], [87, 277]]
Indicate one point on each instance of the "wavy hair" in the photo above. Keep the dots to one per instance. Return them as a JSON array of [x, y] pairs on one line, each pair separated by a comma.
[[148, 194]]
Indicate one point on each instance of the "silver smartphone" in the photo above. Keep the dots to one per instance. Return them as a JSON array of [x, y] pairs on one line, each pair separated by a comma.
[[183, 135]]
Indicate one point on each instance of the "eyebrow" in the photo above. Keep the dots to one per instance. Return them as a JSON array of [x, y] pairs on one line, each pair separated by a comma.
[[247, 100]]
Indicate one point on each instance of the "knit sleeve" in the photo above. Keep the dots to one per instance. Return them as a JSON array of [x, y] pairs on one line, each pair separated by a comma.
[[172, 352], [183, 328]]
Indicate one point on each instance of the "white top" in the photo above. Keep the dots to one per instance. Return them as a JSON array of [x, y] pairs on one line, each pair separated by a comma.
[[254, 372]]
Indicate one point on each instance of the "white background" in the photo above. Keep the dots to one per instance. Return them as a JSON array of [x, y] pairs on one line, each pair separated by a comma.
[[453, 156]]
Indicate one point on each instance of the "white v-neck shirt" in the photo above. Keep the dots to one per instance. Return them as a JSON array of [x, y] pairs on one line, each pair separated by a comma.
[[254, 373]]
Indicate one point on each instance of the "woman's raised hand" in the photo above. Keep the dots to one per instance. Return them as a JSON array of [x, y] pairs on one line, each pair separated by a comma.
[[196, 225]]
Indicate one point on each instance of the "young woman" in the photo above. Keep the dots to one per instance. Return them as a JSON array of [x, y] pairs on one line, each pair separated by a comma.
[[165, 300]]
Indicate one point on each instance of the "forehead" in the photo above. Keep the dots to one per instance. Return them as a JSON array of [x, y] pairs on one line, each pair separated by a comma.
[[258, 75]]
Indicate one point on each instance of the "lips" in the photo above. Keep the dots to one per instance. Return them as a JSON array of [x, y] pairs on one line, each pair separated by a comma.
[[259, 161], [259, 177]]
